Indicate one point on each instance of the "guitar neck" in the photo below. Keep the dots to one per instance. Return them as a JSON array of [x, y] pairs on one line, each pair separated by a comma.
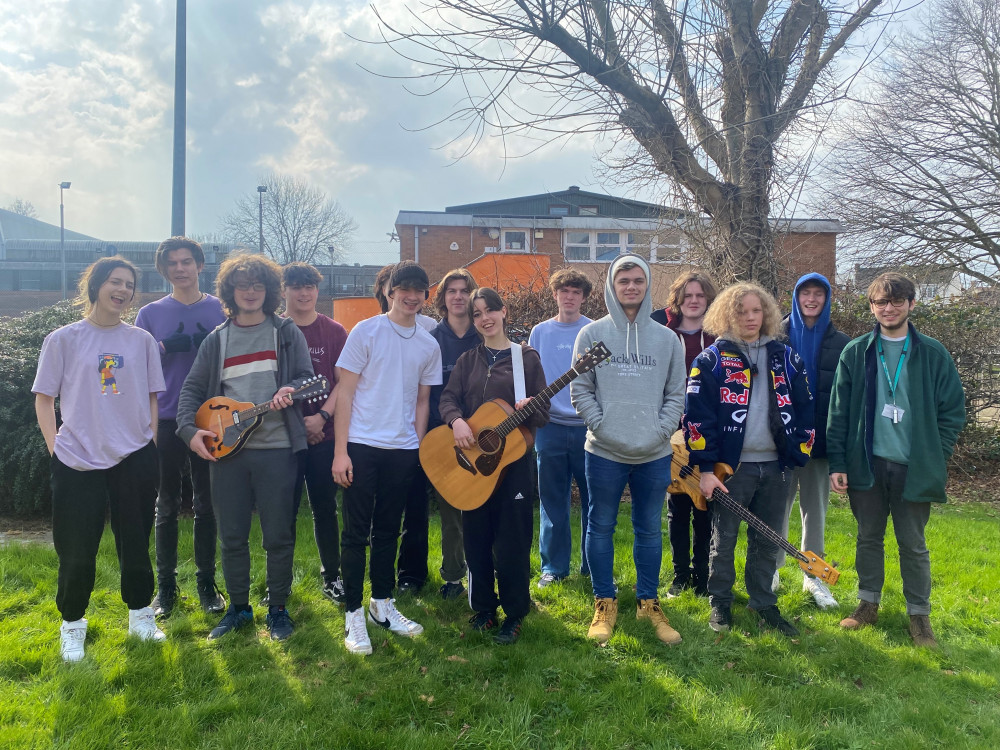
[[762, 528], [520, 416], [255, 411]]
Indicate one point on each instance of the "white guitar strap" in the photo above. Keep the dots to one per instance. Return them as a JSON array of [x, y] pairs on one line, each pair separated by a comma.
[[517, 361]]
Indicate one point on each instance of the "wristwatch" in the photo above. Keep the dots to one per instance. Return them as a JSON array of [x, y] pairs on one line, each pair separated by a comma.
[[325, 414]]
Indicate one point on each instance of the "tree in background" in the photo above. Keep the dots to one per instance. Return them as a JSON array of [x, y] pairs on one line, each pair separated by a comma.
[[22, 207], [917, 171], [704, 93], [300, 222]]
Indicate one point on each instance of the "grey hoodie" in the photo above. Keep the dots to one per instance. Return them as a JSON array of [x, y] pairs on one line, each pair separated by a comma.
[[632, 403]]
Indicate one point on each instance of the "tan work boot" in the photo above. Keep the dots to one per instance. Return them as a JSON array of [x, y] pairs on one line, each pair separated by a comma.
[[649, 609], [866, 614], [921, 631], [605, 616]]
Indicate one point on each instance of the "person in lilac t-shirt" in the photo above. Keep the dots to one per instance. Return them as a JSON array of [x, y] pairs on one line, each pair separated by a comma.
[[179, 323], [326, 339], [103, 453]]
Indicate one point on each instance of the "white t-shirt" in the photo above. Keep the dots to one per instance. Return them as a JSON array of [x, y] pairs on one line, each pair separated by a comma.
[[426, 322], [103, 378], [392, 363]]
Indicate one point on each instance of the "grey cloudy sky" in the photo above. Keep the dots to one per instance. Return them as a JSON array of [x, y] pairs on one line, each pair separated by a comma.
[[86, 94]]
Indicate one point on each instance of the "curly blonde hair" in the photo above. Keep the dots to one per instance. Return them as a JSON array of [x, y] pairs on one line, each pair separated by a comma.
[[722, 318]]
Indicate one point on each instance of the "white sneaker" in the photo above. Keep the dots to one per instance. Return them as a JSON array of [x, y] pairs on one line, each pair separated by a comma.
[[142, 624], [356, 632], [820, 592], [775, 583], [71, 638], [383, 612]]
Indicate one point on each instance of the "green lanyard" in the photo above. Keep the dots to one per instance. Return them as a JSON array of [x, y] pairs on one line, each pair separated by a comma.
[[893, 382]]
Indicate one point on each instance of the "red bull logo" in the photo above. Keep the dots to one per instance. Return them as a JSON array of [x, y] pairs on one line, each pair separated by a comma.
[[738, 376], [807, 446], [727, 396], [696, 441], [779, 380], [783, 400]]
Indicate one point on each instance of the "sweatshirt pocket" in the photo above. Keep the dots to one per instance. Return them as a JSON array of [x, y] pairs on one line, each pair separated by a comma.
[[630, 431]]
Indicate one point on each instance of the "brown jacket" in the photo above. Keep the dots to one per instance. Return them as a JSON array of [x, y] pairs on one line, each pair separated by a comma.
[[473, 383]]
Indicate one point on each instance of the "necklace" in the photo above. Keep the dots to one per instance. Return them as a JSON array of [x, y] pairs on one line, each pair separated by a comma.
[[753, 357], [91, 320], [413, 331]]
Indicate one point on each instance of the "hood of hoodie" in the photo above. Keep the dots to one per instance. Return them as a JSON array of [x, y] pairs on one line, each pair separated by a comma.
[[804, 340], [796, 319], [642, 320]]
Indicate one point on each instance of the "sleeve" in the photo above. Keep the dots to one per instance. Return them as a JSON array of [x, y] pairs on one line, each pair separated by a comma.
[[836, 419], [154, 368], [701, 412], [950, 398], [301, 362], [431, 372], [673, 389], [141, 322], [195, 389], [583, 389], [452, 401], [804, 406], [354, 355], [534, 377], [48, 376]]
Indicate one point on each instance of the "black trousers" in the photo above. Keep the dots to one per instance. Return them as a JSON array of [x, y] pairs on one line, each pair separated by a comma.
[[80, 500], [373, 509], [681, 515], [314, 472], [174, 457], [413, 547], [498, 538]]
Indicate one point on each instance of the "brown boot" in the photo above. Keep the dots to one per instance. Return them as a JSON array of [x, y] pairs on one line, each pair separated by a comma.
[[866, 614], [921, 632], [649, 609], [605, 616]]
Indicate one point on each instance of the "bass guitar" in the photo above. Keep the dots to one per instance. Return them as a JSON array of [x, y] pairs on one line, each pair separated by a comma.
[[233, 422], [686, 481], [466, 477]]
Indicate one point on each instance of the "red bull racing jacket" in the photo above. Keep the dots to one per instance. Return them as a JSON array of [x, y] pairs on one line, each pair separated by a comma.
[[718, 399]]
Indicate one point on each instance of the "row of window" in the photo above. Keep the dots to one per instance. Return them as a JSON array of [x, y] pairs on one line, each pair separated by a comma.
[[603, 246]]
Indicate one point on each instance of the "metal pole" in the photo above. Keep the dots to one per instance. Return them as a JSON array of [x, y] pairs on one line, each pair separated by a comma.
[[261, 189], [180, 120], [63, 186]]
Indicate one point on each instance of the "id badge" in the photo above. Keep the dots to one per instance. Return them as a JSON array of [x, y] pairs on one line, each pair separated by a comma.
[[893, 413]]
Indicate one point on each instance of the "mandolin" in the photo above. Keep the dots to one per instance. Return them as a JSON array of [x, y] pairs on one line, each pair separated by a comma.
[[233, 421], [686, 480], [466, 477]]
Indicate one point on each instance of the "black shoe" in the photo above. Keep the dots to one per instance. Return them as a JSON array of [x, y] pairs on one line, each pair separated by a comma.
[[234, 619], [279, 623], [452, 590], [334, 591], [677, 587], [720, 620], [699, 584], [483, 621], [771, 619], [210, 597], [165, 601], [411, 587], [510, 631]]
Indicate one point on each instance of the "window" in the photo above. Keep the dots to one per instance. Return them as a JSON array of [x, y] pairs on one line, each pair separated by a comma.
[[577, 245], [667, 249], [31, 281], [514, 241], [608, 246], [559, 210], [929, 291], [588, 210]]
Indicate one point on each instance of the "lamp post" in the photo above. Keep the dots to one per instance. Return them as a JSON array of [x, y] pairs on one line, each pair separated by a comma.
[[261, 189], [63, 186]]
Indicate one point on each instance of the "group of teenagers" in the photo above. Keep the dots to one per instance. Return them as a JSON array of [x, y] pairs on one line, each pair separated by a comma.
[[791, 404]]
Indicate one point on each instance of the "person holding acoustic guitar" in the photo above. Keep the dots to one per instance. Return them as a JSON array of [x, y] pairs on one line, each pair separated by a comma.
[[498, 533], [748, 405], [255, 356]]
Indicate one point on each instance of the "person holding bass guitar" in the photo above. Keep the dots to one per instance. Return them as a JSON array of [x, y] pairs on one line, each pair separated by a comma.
[[747, 405], [497, 534]]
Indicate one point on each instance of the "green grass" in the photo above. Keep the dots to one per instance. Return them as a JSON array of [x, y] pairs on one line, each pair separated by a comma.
[[554, 689]]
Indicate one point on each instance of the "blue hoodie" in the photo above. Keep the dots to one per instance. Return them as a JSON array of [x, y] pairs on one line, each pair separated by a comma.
[[804, 340]]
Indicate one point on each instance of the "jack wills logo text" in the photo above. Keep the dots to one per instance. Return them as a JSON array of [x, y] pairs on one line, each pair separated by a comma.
[[643, 360]]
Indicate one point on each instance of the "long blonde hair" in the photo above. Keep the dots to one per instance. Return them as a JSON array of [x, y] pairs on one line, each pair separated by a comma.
[[722, 318]]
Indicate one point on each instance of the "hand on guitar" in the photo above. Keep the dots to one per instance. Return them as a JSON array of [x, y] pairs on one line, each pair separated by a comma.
[[463, 433], [709, 483], [198, 447], [282, 398], [343, 470], [838, 482]]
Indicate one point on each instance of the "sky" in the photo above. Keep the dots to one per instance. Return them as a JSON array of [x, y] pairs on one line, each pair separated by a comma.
[[86, 96]]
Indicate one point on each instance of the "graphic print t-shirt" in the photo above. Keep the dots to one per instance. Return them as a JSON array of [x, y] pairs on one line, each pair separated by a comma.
[[250, 374], [325, 339], [102, 378]]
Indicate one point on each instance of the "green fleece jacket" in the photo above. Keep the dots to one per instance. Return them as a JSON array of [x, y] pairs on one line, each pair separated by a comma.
[[937, 415]]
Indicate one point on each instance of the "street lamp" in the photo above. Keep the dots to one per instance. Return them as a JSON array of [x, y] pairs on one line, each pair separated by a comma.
[[62, 234], [261, 189]]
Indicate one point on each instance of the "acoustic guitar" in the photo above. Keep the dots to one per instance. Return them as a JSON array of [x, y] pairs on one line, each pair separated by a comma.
[[233, 422], [466, 477], [686, 481]]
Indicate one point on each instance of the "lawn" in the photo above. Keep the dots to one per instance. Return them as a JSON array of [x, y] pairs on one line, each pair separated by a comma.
[[553, 689]]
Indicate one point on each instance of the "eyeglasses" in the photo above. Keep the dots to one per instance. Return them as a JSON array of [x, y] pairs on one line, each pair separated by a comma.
[[246, 287], [880, 304]]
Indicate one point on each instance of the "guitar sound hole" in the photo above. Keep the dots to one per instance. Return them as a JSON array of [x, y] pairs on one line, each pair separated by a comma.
[[489, 441]]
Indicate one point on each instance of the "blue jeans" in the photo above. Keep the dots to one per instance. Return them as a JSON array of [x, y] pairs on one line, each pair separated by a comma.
[[647, 484], [560, 461]]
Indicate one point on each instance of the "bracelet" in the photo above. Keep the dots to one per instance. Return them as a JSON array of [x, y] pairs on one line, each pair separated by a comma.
[[451, 424], [325, 414]]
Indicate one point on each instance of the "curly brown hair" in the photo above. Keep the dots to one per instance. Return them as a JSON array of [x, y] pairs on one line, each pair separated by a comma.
[[94, 277], [675, 297], [572, 278], [455, 274], [249, 268], [722, 318]]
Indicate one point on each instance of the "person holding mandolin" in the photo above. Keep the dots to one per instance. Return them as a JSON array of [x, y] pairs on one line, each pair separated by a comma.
[[748, 405], [255, 356], [498, 533]]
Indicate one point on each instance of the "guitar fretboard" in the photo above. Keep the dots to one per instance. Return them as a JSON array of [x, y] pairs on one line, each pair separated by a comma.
[[762, 528], [520, 416]]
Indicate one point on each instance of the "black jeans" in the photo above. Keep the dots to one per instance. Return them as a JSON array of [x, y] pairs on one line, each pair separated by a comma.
[[413, 547], [174, 457], [315, 472], [373, 510], [80, 500], [681, 515]]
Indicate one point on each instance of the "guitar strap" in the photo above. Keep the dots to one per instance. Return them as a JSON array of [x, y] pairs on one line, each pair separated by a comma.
[[517, 361]]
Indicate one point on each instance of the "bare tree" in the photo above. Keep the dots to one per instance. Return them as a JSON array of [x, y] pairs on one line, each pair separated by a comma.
[[917, 172], [702, 92], [23, 208], [299, 222]]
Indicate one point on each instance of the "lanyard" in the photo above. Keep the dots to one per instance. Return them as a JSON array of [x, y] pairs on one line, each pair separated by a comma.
[[893, 382]]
